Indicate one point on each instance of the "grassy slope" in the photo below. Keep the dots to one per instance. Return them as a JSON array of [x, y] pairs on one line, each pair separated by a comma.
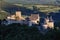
[[43, 8], [3, 14]]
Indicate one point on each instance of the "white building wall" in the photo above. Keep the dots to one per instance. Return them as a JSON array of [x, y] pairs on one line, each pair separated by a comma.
[[18, 14], [45, 26], [51, 24]]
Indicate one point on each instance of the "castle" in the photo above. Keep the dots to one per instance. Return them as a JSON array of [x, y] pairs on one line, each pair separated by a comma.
[[33, 19], [17, 16], [48, 23]]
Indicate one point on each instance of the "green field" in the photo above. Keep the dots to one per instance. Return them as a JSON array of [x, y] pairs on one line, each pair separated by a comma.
[[42, 8], [3, 14]]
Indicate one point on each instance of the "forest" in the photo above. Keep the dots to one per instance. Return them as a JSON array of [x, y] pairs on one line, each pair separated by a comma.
[[16, 31]]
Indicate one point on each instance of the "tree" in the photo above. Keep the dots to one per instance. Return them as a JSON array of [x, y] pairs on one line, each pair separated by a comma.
[[21, 32]]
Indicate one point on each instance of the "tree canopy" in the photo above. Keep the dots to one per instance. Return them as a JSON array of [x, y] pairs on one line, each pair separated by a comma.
[[23, 32]]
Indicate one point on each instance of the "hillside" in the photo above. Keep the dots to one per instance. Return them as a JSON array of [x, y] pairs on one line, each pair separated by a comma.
[[52, 2], [4, 4], [3, 13], [43, 8], [27, 9]]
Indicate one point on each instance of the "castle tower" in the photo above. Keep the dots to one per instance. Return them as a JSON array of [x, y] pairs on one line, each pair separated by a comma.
[[47, 20], [51, 18], [48, 23], [45, 26], [18, 15], [51, 23]]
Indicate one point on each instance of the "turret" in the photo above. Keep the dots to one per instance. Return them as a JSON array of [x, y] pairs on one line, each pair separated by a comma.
[[18, 14], [47, 20], [48, 23], [51, 23], [50, 19]]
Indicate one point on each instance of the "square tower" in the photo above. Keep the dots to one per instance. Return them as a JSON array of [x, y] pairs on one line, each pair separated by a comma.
[[18, 14]]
